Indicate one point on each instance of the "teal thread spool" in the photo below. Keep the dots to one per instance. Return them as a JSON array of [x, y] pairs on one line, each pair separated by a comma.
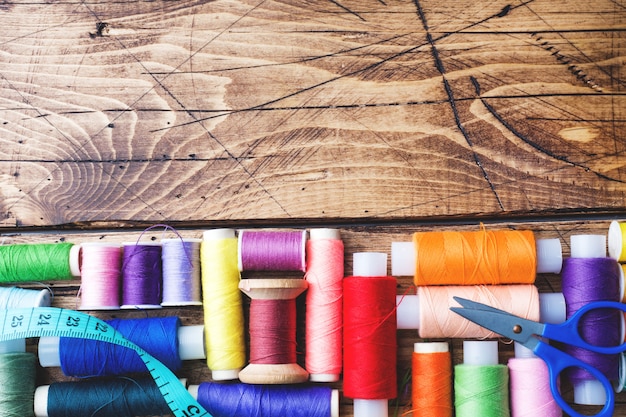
[[481, 385], [17, 384], [39, 262]]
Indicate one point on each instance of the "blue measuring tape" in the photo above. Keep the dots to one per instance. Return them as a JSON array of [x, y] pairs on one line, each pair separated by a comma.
[[22, 323]]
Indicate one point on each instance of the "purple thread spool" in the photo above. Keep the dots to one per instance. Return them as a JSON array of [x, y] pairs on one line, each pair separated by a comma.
[[272, 250], [181, 272], [142, 276], [586, 277]]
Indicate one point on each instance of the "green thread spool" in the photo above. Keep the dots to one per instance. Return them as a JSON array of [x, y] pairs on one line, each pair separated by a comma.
[[39, 262], [17, 384], [481, 385]]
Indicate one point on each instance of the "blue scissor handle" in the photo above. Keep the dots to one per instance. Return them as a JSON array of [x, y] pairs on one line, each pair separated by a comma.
[[568, 332], [557, 361]]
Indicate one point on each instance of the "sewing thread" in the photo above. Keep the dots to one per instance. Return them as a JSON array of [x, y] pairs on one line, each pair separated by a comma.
[[87, 358], [37, 262], [437, 321], [142, 275], [272, 250], [475, 258], [101, 276], [481, 390], [222, 304], [369, 339], [324, 301], [432, 380], [530, 389], [17, 384], [230, 400], [181, 272]]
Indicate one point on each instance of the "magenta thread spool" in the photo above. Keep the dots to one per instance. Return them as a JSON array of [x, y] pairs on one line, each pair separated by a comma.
[[101, 274], [181, 272], [272, 250], [142, 275]]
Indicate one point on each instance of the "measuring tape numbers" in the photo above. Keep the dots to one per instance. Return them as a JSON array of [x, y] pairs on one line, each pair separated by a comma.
[[22, 323]]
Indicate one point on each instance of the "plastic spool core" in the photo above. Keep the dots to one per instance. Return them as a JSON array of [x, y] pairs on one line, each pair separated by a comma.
[[549, 257], [615, 240], [75, 260], [588, 246], [480, 352]]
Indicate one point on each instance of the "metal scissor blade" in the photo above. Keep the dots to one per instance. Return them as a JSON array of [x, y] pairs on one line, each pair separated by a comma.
[[499, 321]]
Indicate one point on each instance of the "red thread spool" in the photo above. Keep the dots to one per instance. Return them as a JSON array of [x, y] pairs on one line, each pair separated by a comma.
[[370, 335], [273, 331]]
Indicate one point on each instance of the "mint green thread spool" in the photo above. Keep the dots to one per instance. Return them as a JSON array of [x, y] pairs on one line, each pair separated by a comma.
[[481, 385], [17, 384], [39, 262]]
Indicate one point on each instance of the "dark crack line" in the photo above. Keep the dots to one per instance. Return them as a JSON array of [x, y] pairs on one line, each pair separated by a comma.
[[533, 144], [352, 12], [452, 102]]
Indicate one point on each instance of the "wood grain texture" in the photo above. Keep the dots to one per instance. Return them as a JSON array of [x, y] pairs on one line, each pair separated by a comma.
[[356, 239], [293, 109]]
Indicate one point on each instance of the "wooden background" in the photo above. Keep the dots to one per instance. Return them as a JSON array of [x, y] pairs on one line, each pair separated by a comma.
[[379, 117]]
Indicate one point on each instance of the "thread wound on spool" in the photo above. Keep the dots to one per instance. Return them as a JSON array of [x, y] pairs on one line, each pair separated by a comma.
[[530, 389], [17, 384], [272, 250], [370, 337], [431, 383], [142, 276], [324, 321], [222, 304], [101, 276], [157, 336], [181, 272], [437, 321], [35, 262], [120, 397], [481, 390], [225, 400], [475, 258]]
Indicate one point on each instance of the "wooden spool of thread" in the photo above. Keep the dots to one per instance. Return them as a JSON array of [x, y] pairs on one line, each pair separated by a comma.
[[223, 308], [481, 384], [432, 380], [475, 257], [273, 331], [39, 262], [324, 300], [101, 276], [370, 335]]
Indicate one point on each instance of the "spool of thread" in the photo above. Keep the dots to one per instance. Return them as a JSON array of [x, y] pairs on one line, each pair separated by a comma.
[[101, 276], [14, 297], [17, 384], [273, 331], [475, 258], [272, 250], [39, 262], [530, 391], [429, 310], [617, 239], [591, 276], [142, 275], [162, 337], [228, 400], [181, 272], [120, 397], [369, 337], [432, 380], [223, 309], [481, 385], [324, 301]]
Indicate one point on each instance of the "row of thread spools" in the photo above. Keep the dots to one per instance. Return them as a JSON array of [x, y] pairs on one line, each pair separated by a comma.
[[443, 264]]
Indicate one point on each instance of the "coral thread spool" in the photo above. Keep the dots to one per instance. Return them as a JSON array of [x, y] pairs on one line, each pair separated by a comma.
[[324, 300], [432, 380], [475, 258], [273, 338], [370, 344], [101, 276], [142, 275], [222, 306]]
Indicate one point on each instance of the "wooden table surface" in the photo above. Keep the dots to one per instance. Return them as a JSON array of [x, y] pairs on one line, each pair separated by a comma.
[[379, 117]]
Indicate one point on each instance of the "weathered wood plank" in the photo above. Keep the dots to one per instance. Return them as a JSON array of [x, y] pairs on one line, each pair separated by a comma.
[[243, 109]]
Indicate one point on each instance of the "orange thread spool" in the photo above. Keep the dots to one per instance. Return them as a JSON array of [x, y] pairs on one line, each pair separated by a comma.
[[432, 380], [475, 258]]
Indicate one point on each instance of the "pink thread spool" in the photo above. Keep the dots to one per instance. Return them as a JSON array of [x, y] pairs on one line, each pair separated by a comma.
[[272, 354], [272, 250], [101, 275]]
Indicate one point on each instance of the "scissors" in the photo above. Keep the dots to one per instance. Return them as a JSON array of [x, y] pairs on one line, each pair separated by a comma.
[[527, 333]]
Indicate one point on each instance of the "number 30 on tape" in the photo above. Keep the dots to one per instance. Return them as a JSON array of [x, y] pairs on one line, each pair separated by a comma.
[[22, 323]]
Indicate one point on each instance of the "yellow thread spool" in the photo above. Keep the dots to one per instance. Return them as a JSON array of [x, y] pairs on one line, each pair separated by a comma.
[[222, 300]]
